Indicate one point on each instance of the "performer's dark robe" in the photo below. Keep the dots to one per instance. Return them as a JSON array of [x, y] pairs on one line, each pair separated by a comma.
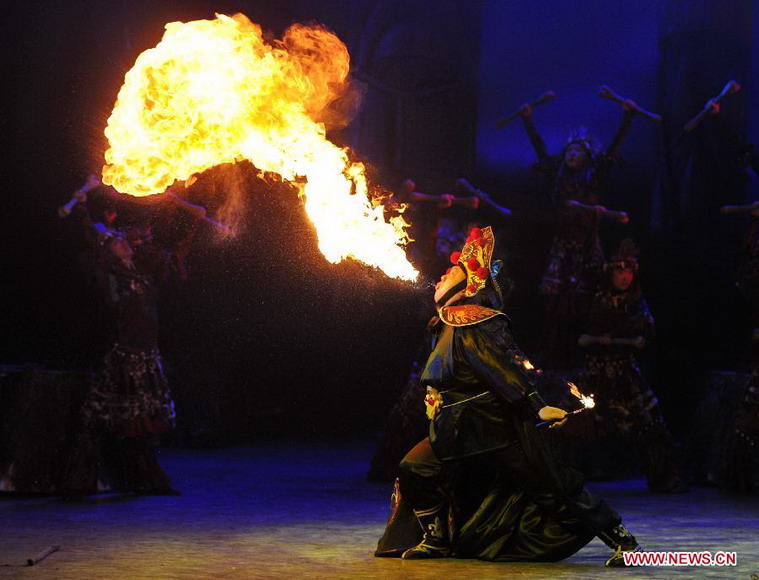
[[485, 414]]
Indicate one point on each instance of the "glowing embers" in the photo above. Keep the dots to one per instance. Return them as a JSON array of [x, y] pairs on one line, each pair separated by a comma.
[[524, 362], [213, 92]]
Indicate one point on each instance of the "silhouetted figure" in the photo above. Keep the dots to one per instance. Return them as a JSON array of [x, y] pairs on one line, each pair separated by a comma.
[[578, 175], [619, 324]]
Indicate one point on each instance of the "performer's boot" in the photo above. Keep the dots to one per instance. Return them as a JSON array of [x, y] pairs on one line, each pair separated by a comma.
[[434, 543], [619, 540]]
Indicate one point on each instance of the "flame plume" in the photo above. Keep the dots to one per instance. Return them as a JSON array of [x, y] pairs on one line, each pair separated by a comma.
[[213, 92], [587, 401]]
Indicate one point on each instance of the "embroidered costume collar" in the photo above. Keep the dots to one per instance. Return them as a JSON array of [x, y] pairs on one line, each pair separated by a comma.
[[466, 314]]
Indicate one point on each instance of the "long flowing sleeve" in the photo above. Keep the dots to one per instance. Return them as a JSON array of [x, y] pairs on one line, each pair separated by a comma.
[[491, 354]]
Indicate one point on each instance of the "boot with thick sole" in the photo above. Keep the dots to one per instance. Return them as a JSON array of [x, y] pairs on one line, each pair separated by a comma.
[[434, 543], [620, 540]]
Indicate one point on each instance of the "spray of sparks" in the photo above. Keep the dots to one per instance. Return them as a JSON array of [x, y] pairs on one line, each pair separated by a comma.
[[586, 401], [214, 91], [525, 363]]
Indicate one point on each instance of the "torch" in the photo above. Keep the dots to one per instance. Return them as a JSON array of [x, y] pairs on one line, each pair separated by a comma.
[[712, 105], [546, 97], [586, 401]]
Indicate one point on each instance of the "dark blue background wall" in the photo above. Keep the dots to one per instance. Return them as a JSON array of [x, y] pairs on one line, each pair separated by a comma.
[[272, 339]]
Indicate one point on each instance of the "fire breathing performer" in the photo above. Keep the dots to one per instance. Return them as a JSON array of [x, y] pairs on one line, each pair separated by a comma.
[[619, 325], [578, 175], [455, 217], [129, 401], [439, 224], [485, 483]]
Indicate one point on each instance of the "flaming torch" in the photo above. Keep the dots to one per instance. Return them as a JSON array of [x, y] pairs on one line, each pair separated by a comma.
[[586, 401], [214, 91]]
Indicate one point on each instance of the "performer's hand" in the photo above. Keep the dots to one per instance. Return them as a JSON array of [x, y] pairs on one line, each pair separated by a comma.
[[599, 209], [80, 195], [559, 416], [629, 105], [713, 107], [755, 209], [525, 110], [605, 340]]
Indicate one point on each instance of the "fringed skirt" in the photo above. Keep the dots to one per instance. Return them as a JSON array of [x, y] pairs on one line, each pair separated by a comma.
[[130, 395]]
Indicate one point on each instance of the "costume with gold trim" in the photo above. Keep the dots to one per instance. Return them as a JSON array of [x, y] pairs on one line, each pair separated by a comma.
[[508, 498], [466, 314]]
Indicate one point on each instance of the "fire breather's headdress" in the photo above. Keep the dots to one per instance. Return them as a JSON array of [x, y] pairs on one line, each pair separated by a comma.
[[474, 258]]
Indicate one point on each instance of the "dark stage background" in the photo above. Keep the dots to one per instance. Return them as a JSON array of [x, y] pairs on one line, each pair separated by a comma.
[[266, 338]]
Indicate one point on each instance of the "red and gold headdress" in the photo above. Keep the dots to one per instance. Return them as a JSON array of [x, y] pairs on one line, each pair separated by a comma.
[[474, 259]]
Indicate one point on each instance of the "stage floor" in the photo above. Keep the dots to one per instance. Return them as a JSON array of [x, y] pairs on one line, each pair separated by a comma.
[[304, 511]]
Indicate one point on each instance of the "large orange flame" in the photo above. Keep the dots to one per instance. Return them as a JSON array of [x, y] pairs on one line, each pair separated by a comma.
[[213, 91]]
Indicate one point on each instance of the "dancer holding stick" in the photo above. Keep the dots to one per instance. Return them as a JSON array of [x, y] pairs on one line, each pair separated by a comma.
[[578, 175], [129, 402]]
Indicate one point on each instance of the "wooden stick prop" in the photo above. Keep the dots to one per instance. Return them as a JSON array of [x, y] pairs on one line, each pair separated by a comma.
[[618, 216], [198, 210], [546, 97], [66, 209], [712, 105], [444, 200], [485, 197], [42, 555], [605, 92]]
